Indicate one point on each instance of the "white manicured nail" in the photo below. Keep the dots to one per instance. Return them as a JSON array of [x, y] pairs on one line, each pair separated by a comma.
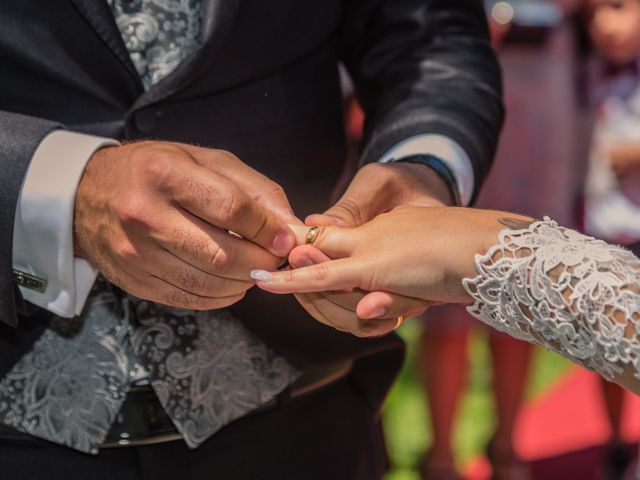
[[261, 275]]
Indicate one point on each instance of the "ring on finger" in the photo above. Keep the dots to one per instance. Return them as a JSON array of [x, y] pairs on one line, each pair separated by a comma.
[[312, 234]]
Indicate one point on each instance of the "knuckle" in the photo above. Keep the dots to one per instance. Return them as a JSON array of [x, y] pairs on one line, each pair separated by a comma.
[[131, 211], [374, 167], [275, 189], [126, 252], [220, 259], [352, 209], [157, 168], [260, 229], [232, 206], [227, 155], [287, 276], [320, 273]]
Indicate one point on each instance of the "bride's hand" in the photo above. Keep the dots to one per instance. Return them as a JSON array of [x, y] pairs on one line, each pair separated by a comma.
[[419, 252]]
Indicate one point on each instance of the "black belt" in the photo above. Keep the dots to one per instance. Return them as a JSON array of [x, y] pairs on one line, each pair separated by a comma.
[[143, 421]]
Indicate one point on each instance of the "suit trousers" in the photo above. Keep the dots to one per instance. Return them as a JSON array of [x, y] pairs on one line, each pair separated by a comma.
[[330, 434]]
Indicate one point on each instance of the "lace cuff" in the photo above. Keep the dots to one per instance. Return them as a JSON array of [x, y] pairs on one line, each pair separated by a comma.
[[568, 292]]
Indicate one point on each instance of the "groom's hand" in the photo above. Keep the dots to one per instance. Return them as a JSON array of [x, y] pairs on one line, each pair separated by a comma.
[[377, 188], [155, 217], [380, 187]]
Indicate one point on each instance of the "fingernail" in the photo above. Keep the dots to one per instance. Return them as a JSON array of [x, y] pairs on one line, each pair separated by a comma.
[[261, 275], [378, 312], [283, 242], [305, 262]]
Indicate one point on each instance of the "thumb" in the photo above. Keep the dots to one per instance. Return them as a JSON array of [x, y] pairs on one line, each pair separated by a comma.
[[346, 213], [277, 202]]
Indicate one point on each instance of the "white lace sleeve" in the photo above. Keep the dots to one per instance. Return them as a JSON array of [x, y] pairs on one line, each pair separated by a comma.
[[565, 291]]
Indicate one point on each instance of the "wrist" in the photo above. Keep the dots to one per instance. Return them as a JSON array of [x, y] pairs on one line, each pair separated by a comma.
[[86, 193], [441, 170]]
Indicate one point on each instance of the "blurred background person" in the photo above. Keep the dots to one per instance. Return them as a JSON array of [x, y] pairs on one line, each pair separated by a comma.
[[610, 38], [534, 172]]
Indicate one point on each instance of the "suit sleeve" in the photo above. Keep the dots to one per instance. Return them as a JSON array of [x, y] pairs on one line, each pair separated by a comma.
[[20, 135], [424, 67]]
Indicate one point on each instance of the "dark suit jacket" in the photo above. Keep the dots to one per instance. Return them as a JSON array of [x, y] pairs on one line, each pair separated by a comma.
[[265, 86]]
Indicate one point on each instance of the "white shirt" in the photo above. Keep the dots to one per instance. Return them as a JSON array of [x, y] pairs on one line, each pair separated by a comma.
[[43, 227]]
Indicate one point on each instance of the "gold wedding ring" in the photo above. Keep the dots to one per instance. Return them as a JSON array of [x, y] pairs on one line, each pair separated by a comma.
[[400, 321], [312, 234]]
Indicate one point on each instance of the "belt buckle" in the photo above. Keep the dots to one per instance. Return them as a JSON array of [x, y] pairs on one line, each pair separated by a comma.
[[125, 441], [141, 421]]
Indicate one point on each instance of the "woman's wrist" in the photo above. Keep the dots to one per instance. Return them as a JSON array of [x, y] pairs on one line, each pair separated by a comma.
[[489, 227]]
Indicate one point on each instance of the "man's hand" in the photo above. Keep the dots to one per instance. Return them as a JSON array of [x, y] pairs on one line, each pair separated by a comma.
[[377, 188], [380, 187], [155, 217]]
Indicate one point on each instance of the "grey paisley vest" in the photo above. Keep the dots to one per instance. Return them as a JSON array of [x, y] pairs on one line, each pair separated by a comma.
[[206, 367]]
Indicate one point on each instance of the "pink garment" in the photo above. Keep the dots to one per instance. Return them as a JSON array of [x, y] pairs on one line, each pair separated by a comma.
[[612, 204]]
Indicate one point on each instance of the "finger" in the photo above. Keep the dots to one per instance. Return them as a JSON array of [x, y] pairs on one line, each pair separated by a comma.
[[320, 219], [334, 275], [181, 275], [258, 186], [359, 204], [334, 242], [306, 255], [389, 305], [327, 312], [309, 302], [148, 287], [378, 304], [337, 309], [212, 250], [220, 202]]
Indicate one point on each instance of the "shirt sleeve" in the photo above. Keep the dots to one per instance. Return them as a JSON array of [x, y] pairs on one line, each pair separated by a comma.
[[47, 273], [447, 150]]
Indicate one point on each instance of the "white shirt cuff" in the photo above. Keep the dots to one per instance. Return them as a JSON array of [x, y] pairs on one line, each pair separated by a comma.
[[43, 226], [451, 154]]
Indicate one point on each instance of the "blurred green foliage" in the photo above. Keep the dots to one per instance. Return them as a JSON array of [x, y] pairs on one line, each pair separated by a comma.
[[406, 417]]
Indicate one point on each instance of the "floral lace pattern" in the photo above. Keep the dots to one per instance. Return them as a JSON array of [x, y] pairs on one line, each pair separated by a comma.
[[69, 388], [207, 370], [571, 293], [159, 34]]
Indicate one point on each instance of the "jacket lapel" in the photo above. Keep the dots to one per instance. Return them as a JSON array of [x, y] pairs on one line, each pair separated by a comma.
[[99, 15], [217, 19]]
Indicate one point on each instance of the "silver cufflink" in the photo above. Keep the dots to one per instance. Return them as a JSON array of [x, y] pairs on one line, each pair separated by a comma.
[[32, 282]]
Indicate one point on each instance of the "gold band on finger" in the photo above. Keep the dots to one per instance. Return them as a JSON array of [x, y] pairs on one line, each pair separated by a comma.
[[312, 234], [400, 321]]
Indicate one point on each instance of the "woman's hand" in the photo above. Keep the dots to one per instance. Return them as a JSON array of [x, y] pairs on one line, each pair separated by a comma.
[[419, 252]]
